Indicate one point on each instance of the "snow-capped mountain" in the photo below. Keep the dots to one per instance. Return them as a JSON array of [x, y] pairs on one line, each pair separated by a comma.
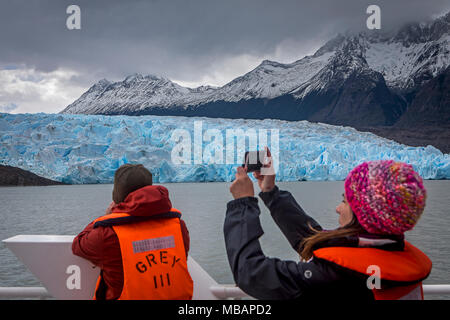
[[269, 80], [368, 79]]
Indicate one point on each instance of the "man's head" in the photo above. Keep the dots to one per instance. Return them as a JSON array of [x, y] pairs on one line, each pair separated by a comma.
[[129, 178]]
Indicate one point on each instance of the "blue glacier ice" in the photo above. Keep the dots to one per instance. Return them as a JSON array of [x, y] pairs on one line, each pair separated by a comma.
[[81, 149]]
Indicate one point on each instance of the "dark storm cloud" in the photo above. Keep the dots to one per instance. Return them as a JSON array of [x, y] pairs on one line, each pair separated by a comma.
[[179, 39]]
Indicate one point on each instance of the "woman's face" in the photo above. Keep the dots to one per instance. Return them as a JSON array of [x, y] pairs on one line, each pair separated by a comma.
[[344, 211]]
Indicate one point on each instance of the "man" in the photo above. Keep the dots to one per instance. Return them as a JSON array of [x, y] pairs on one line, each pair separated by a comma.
[[140, 245]]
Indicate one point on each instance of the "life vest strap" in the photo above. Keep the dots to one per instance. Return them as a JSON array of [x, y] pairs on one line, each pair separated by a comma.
[[125, 219]]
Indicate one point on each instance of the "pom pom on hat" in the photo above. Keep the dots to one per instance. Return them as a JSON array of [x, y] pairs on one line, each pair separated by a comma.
[[387, 197]]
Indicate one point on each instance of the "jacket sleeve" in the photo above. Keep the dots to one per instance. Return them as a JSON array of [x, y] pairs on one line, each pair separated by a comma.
[[89, 244], [289, 216], [259, 276], [186, 237]]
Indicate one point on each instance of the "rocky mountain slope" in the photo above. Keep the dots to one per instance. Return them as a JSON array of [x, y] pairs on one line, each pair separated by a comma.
[[370, 79], [12, 176]]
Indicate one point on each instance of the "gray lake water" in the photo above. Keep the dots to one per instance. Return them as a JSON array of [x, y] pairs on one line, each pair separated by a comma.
[[65, 210]]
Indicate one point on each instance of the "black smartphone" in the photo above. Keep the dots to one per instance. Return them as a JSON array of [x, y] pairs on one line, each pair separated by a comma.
[[254, 160]]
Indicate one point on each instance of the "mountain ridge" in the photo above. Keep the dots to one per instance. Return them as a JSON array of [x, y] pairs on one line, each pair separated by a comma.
[[364, 79]]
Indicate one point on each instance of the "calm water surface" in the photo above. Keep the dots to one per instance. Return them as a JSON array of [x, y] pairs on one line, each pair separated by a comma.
[[66, 210]]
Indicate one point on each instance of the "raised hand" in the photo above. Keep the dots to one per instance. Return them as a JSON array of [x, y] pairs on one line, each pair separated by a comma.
[[266, 177], [242, 186]]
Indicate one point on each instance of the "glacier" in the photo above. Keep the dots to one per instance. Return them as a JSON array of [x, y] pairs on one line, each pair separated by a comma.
[[87, 149]]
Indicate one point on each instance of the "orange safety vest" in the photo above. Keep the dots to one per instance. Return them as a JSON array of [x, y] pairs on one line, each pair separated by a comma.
[[153, 256], [410, 266]]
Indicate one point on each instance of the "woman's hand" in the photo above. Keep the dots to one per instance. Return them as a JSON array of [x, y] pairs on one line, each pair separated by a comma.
[[242, 186], [266, 177]]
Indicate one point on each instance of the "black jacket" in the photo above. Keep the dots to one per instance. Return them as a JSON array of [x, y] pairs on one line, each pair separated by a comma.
[[270, 278]]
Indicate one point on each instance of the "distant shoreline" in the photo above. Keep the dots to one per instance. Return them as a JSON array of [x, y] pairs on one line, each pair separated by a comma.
[[12, 176], [16, 177]]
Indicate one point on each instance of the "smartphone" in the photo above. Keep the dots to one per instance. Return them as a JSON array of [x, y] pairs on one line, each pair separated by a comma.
[[254, 160]]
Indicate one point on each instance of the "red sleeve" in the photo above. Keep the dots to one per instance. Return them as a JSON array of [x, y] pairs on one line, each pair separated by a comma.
[[101, 247], [89, 244], [186, 238]]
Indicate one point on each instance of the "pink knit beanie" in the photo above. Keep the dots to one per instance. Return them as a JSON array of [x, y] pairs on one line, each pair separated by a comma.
[[387, 197]]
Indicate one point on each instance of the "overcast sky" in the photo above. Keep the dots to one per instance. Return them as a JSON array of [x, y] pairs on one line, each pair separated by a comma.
[[44, 66]]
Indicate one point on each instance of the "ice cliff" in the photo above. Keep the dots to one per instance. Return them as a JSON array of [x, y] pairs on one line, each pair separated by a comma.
[[81, 149]]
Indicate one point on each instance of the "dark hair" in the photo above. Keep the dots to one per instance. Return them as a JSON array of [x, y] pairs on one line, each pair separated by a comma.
[[309, 244], [129, 178]]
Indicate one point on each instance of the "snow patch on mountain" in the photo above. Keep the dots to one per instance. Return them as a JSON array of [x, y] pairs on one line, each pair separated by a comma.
[[400, 64], [405, 58]]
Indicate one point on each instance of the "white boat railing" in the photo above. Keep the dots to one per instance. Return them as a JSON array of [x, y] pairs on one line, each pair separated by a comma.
[[220, 291], [429, 289], [24, 292], [50, 259]]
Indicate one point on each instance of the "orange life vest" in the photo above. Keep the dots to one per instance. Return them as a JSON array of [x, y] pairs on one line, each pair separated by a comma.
[[410, 266], [153, 256]]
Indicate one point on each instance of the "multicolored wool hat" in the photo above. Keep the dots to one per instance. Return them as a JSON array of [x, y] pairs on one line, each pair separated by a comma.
[[387, 197]]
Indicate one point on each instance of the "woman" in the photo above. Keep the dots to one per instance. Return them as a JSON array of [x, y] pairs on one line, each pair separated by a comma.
[[365, 258]]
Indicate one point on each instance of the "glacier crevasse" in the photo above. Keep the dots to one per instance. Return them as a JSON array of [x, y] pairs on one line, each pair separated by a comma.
[[81, 149]]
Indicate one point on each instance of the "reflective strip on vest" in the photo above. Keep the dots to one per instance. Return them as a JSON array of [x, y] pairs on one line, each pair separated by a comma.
[[154, 260]]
